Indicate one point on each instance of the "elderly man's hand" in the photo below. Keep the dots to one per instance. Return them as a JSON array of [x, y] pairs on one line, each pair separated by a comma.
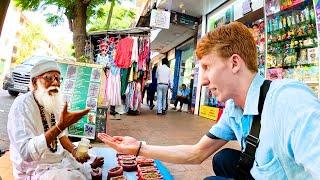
[[69, 118], [80, 159], [98, 162]]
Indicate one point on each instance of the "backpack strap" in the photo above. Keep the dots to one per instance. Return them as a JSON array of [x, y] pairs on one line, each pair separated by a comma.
[[247, 156]]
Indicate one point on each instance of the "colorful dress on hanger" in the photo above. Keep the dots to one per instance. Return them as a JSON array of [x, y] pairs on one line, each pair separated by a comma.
[[124, 53], [144, 50], [133, 96], [113, 85]]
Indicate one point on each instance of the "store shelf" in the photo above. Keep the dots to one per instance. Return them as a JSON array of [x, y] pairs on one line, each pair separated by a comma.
[[293, 38], [296, 6], [287, 28], [294, 66]]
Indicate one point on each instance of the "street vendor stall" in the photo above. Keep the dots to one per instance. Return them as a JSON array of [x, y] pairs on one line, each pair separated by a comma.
[[125, 55]]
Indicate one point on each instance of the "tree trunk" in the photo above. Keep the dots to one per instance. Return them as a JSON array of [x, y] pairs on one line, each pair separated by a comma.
[[79, 28], [113, 2], [4, 4]]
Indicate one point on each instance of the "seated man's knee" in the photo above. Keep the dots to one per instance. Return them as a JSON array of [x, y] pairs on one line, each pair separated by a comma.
[[219, 158]]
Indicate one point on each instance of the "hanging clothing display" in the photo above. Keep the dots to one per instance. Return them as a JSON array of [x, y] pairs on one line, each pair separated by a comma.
[[135, 50], [125, 58], [133, 94], [124, 80], [144, 50], [113, 88], [124, 53]]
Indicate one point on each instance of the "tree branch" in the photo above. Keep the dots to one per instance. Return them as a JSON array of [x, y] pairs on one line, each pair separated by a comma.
[[70, 21]]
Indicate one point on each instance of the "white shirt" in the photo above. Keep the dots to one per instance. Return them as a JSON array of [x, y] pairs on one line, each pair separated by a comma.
[[135, 49], [163, 74], [28, 147]]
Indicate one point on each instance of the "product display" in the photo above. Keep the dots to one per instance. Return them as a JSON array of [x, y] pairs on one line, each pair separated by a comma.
[[115, 172], [125, 58], [258, 32], [145, 167], [292, 42]]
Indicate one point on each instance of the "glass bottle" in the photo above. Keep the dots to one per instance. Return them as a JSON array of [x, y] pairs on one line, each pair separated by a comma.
[[83, 147], [312, 15], [289, 22], [307, 15], [284, 22]]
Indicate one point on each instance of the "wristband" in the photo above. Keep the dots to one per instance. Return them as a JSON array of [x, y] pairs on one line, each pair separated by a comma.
[[58, 128], [140, 144]]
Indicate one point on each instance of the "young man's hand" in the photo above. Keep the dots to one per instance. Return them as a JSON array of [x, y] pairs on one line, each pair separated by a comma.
[[122, 144]]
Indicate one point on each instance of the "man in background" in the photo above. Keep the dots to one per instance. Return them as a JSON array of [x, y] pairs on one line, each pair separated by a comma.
[[163, 79], [182, 97]]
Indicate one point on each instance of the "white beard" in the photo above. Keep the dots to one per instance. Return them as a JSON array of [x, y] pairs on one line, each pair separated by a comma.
[[51, 103]]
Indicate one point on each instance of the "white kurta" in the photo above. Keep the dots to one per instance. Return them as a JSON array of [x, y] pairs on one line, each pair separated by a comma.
[[29, 153]]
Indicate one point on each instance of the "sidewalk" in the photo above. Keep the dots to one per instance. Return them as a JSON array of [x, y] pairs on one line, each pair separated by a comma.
[[172, 129]]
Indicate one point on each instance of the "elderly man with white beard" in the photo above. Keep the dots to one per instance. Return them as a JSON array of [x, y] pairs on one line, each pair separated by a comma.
[[39, 147]]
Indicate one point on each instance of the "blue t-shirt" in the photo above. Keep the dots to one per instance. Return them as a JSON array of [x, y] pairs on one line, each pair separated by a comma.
[[184, 93], [290, 129]]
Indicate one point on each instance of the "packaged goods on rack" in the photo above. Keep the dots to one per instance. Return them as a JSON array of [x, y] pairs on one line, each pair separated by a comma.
[[292, 41]]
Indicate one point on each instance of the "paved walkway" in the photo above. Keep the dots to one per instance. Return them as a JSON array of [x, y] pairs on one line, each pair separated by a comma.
[[172, 129]]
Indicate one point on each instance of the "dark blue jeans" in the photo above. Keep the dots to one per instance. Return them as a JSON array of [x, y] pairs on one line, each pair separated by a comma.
[[224, 165]]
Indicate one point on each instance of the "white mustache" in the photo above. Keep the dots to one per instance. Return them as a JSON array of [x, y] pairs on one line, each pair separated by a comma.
[[53, 88]]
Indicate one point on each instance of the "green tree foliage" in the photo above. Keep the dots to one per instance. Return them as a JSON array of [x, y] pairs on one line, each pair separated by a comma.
[[121, 18], [76, 11], [29, 39]]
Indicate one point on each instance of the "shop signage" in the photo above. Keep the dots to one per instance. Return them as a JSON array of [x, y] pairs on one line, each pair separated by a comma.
[[246, 7], [209, 112], [183, 19], [81, 87], [160, 19]]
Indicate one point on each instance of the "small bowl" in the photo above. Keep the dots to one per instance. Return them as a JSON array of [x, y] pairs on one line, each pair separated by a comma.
[[129, 167], [147, 171], [145, 168], [127, 162], [145, 161], [126, 157], [122, 177], [116, 171], [150, 176]]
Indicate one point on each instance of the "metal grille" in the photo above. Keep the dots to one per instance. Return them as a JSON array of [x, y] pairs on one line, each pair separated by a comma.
[[21, 78]]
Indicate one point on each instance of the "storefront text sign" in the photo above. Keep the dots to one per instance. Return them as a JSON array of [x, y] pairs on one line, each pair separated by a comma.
[[246, 7], [209, 112], [160, 19]]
